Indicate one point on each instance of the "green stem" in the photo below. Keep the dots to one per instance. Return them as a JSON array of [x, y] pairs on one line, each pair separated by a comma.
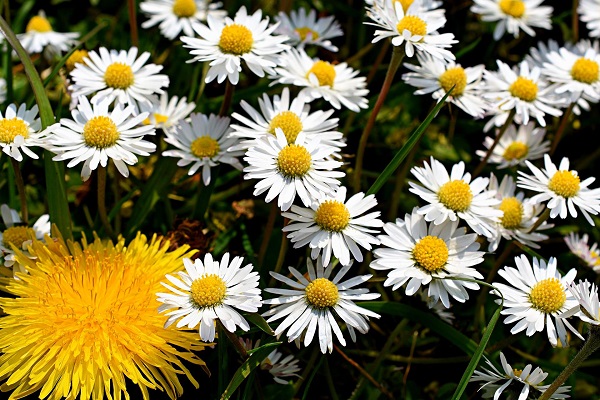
[[282, 251], [21, 189], [205, 67], [267, 233], [307, 370], [229, 88], [575, 22], [204, 194], [561, 128], [397, 56], [483, 162], [541, 219], [234, 339], [133, 23], [102, 202], [364, 373]]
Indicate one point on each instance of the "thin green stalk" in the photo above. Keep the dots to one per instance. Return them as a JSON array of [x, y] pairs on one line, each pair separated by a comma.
[[364, 372], [329, 379], [229, 88], [274, 211], [282, 251], [132, 10], [204, 194], [307, 369], [541, 219], [561, 128], [101, 176], [483, 162], [575, 22], [205, 67], [234, 339], [21, 189]]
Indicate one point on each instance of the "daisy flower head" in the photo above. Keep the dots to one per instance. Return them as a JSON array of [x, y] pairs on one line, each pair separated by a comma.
[[335, 225], [277, 366], [166, 114], [119, 76], [285, 169], [306, 29], [414, 28], [514, 16], [96, 134], [203, 142], [536, 296], [176, 16], [337, 84], [589, 12], [563, 187], [19, 131], [587, 296], [209, 291], [453, 196], [517, 145], [419, 254], [314, 301], [39, 36], [523, 90], [437, 77], [97, 299], [579, 246], [226, 42], [518, 382]]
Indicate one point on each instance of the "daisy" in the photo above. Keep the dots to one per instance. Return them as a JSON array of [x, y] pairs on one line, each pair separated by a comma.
[[536, 296], [314, 301], [518, 144], [94, 135], [19, 131], [587, 296], [332, 224], [306, 29], [520, 215], [210, 291], [415, 28], [175, 16], [226, 42], [579, 246], [337, 84], [514, 15], [454, 196], [292, 118], [563, 188], [589, 12], [278, 367], [203, 142], [437, 77], [39, 37], [118, 76], [522, 89], [286, 169], [422, 254], [514, 381], [166, 114]]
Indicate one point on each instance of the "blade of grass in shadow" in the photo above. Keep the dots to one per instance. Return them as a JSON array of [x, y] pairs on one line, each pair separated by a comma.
[[55, 171], [403, 152]]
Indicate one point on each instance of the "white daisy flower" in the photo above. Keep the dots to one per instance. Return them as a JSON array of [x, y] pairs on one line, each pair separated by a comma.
[[39, 37], [589, 12], [226, 42], [416, 28], [94, 135], [208, 291], [454, 196], [334, 225], [513, 381], [306, 29], [292, 118], [175, 16], [19, 131], [337, 84], [166, 114], [522, 89], [563, 188], [520, 215], [514, 15], [278, 367], [314, 301], [536, 296], [579, 246], [517, 145], [587, 296], [437, 77], [422, 254], [203, 142], [286, 169], [119, 76]]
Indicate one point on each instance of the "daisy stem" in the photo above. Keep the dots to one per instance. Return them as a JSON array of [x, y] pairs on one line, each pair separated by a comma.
[[204, 194], [541, 219], [364, 373], [575, 22], [234, 339], [483, 162], [589, 347], [307, 370], [133, 23], [229, 88], [21, 189], [267, 233], [397, 56], [282, 250], [102, 202], [561, 128], [205, 68]]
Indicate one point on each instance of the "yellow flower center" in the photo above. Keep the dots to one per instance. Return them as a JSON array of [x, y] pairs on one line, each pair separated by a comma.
[[304, 31], [100, 132], [564, 183], [517, 372], [205, 146], [324, 71], [289, 123], [548, 295], [38, 24], [11, 128], [413, 24], [322, 293], [332, 216], [294, 161], [208, 291], [184, 8], [454, 77], [76, 57], [524, 89], [456, 195], [119, 76], [514, 8], [17, 235], [515, 151], [431, 253], [585, 70], [513, 212], [405, 4], [236, 39]]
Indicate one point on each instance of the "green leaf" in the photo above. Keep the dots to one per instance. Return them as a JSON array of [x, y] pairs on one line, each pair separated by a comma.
[[259, 321], [259, 354]]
